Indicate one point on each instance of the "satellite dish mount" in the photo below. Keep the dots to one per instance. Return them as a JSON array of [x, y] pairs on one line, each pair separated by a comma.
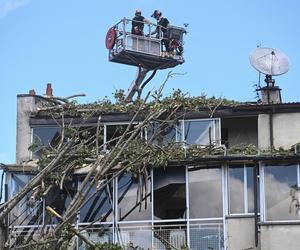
[[269, 81]]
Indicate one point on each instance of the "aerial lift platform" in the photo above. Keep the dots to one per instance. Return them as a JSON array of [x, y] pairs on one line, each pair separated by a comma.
[[144, 51]]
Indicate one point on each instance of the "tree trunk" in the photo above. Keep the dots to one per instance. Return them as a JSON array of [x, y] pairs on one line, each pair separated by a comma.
[[3, 236]]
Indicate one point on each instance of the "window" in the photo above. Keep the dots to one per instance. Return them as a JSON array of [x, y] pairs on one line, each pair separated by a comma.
[[87, 135], [98, 206], [281, 192], [156, 223], [59, 200], [241, 189], [134, 203], [113, 133], [28, 211], [161, 135], [205, 193], [44, 137], [201, 132], [169, 193], [250, 189]]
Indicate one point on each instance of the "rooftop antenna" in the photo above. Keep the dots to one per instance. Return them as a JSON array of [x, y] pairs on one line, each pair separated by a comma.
[[259, 74], [270, 62]]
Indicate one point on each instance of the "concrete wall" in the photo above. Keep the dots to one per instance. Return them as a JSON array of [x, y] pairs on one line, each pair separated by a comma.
[[286, 130], [279, 237], [241, 130], [240, 233], [25, 105]]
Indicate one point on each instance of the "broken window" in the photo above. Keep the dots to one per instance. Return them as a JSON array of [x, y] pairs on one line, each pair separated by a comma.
[[169, 193], [28, 211], [134, 198], [98, 206], [241, 189], [200, 132], [205, 192], [44, 137], [59, 199], [281, 192]]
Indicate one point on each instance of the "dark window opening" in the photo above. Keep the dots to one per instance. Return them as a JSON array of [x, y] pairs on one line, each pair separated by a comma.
[[224, 137], [114, 133], [169, 193], [59, 200]]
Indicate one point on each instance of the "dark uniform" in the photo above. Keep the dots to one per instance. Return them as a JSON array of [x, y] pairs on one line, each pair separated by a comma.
[[163, 22], [138, 25]]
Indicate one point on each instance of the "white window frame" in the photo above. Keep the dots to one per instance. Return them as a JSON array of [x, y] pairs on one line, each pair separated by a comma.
[[181, 126]]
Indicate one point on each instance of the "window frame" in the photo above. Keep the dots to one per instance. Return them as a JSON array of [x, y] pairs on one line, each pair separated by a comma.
[[105, 124], [181, 126], [31, 155], [245, 189], [263, 202]]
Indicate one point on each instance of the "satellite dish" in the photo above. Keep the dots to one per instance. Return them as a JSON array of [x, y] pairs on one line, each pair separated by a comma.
[[269, 61]]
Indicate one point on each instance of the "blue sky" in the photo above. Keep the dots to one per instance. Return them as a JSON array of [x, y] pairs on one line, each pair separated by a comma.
[[62, 42]]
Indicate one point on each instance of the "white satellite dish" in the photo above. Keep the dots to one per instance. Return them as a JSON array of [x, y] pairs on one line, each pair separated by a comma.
[[269, 61]]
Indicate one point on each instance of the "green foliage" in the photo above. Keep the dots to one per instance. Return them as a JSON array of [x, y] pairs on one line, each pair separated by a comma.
[[176, 98], [67, 234], [105, 246], [294, 150], [33, 147], [243, 149], [45, 158], [120, 96]]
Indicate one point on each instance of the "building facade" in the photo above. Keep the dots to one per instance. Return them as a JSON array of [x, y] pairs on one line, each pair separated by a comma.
[[232, 201]]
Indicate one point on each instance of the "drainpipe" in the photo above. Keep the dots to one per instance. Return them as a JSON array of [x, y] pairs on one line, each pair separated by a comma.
[[271, 131], [271, 128], [255, 185]]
